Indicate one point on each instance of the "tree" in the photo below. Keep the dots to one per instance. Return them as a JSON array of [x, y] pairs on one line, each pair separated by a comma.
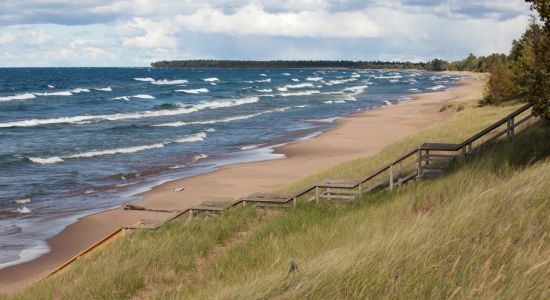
[[539, 89]]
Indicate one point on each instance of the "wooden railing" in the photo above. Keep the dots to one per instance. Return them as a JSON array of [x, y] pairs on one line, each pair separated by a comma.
[[424, 160]]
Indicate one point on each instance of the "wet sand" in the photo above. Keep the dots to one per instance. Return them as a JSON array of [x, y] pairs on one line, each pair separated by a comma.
[[355, 136]]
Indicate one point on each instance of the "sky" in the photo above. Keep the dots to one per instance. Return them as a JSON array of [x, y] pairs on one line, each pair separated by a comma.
[[65, 33]]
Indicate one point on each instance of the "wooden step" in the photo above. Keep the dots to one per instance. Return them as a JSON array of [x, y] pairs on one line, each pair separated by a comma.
[[339, 183]]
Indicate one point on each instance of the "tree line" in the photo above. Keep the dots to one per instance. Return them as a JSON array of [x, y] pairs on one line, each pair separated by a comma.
[[524, 74], [288, 64]]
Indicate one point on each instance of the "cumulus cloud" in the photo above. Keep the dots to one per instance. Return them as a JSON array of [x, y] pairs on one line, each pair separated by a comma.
[[136, 32], [254, 20]]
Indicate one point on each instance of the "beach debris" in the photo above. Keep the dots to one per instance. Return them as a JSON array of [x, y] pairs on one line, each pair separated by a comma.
[[142, 208], [293, 266], [179, 189]]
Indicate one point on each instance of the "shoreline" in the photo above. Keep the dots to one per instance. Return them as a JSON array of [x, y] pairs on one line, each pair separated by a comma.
[[352, 136]]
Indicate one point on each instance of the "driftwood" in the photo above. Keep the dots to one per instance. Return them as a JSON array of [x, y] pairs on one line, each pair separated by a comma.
[[137, 207]]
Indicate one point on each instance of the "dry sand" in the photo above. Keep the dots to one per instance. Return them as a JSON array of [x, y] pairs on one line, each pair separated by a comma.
[[355, 136]]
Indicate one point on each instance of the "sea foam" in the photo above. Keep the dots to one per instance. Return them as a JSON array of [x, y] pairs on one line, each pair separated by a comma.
[[169, 82], [211, 79]]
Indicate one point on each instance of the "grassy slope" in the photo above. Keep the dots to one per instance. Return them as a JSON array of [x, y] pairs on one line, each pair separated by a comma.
[[480, 230]]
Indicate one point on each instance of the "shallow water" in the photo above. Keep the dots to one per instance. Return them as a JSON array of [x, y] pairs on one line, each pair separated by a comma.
[[78, 140]]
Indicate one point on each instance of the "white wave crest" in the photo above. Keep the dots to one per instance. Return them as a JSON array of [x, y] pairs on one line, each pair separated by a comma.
[[46, 161], [169, 82], [263, 80], [301, 93], [224, 120], [264, 75], [211, 79], [126, 150], [299, 85], [128, 116], [436, 88], [24, 96], [23, 210], [144, 79], [22, 201], [339, 81], [265, 90], [140, 96], [356, 90], [62, 93], [105, 89], [314, 78], [80, 90], [197, 137], [334, 101], [295, 79], [194, 91], [285, 74]]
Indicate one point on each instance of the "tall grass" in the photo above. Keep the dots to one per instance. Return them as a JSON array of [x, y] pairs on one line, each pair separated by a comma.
[[481, 230]]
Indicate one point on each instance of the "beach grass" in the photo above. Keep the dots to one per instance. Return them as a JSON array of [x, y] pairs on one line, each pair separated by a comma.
[[480, 230]]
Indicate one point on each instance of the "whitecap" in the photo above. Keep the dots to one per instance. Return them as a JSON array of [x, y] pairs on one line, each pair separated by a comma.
[[143, 96], [295, 79], [282, 89], [264, 75], [263, 80], [285, 74], [144, 79], [23, 210], [105, 89], [301, 93], [388, 103], [24, 96], [80, 90], [61, 93], [298, 86], [125, 98], [51, 86], [169, 82], [22, 201], [339, 81], [211, 79], [415, 90], [194, 91], [46, 161], [437, 87], [314, 78], [264, 90], [356, 90]]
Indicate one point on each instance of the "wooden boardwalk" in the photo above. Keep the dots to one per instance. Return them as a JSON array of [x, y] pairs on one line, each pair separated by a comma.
[[426, 160]]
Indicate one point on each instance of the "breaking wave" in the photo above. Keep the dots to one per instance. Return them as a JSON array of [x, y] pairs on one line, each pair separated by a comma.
[[194, 91], [127, 116], [126, 150]]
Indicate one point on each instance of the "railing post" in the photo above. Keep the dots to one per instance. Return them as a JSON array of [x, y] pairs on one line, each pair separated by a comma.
[[512, 127], [316, 194], [190, 214], [419, 167], [328, 194], [360, 190], [294, 200], [244, 203], [427, 158], [391, 177]]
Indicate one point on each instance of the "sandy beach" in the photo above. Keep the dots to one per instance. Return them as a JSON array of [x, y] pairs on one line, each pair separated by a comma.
[[355, 136]]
